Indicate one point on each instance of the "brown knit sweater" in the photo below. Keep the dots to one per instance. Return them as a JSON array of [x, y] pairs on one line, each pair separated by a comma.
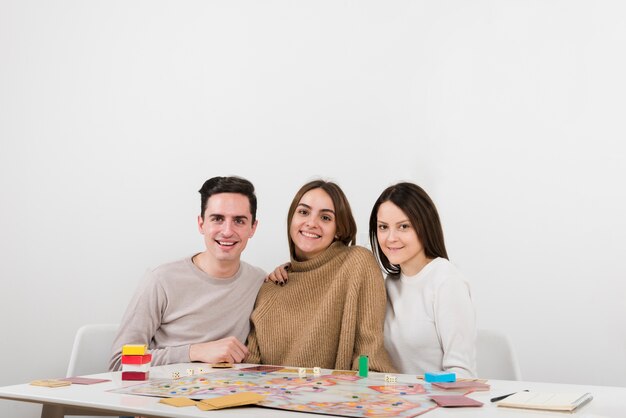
[[331, 311]]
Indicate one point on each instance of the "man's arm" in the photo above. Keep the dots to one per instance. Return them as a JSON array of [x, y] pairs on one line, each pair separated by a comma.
[[228, 349], [143, 317], [254, 355], [140, 322]]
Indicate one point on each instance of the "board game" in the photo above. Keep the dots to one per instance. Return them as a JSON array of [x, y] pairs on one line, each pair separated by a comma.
[[341, 395]]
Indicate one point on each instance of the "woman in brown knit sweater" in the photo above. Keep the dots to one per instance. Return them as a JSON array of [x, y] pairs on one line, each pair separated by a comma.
[[333, 309]]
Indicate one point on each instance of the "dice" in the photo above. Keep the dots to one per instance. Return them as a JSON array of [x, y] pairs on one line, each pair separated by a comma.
[[389, 378]]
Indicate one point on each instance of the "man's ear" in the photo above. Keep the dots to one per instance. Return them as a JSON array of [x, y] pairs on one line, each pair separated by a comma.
[[200, 224], [254, 225]]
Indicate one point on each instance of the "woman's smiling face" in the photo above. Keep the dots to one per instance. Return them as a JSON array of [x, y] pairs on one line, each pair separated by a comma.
[[313, 224]]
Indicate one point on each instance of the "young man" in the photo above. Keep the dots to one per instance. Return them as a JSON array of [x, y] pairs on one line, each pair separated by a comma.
[[198, 308]]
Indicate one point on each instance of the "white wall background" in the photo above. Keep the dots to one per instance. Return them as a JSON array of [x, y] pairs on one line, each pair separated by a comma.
[[511, 113]]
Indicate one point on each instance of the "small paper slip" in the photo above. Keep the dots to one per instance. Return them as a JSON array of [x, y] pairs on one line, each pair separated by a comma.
[[290, 370], [546, 401], [222, 365], [344, 372], [178, 402], [228, 401], [267, 369], [50, 383], [454, 401], [473, 386], [83, 380]]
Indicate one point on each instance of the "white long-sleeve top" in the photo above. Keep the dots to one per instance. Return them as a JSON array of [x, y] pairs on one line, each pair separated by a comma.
[[430, 324]]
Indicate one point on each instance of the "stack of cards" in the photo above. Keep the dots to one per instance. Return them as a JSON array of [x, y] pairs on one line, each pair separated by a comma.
[[454, 401], [135, 362], [465, 386]]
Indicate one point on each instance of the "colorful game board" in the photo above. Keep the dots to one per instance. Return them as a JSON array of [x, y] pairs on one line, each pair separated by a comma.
[[341, 395]]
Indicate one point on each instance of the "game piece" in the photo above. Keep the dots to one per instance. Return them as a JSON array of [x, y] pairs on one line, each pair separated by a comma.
[[136, 367], [317, 371], [134, 349], [50, 383], [200, 370], [175, 375], [222, 365], [190, 372], [302, 372], [389, 378], [137, 359], [447, 401], [135, 375], [440, 377], [363, 366]]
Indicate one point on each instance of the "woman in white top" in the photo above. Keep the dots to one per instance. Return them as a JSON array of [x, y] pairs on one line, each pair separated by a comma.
[[430, 322]]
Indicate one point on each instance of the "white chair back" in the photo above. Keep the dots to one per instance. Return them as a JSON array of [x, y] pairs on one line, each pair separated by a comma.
[[92, 349], [495, 357]]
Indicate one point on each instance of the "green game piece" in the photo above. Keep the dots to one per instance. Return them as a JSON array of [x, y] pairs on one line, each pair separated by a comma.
[[363, 366]]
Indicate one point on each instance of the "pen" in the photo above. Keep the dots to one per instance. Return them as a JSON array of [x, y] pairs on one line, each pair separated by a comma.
[[499, 398]]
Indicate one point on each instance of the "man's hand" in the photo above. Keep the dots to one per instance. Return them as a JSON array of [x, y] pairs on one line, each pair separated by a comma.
[[228, 349], [280, 274]]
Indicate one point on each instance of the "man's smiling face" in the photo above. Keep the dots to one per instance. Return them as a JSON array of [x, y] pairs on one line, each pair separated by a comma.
[[227, 226]]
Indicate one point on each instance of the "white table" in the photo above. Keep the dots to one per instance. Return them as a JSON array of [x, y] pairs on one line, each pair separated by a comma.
[[608, 401]]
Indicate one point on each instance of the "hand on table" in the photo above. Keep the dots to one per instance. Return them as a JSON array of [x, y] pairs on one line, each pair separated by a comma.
[[228, 349]]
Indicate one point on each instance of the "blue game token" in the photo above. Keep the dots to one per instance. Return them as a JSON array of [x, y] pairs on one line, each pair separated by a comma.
[[440, 377]]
